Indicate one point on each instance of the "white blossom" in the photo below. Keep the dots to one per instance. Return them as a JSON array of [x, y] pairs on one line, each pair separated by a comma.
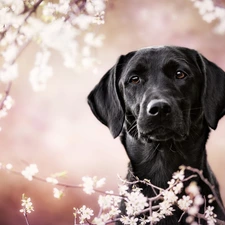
[[123, 189], [192, 189], [210, 13], [179, 175], [135, 202], [52, 180], [129, 220], [93, 40], [193, 210], [83, 21], [166, 208], [210, 215], [57, 193], [90, 183], [100, 182], [198, 200], [8, 102], [30, 171], [8, 72], [8, 166], [169, 196], [114, 211], [41, 72], [185, 202], [85, 213], [26, 204], [105, 201], [102, 219], [154, 218], [178, 187]]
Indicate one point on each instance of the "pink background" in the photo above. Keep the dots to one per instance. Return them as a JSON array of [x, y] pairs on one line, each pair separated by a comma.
[[56, 130]]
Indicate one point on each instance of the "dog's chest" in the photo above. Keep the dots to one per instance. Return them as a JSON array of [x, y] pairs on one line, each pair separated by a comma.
[[154, 162]]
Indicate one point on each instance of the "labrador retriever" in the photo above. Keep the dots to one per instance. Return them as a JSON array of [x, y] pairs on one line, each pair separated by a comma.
[[162, 102]]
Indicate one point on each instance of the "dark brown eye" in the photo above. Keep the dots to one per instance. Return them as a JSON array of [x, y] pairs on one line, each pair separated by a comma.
[[180, 75], [134, 80]]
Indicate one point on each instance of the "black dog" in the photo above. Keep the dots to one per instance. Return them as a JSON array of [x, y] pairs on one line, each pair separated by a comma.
[[162, 102]]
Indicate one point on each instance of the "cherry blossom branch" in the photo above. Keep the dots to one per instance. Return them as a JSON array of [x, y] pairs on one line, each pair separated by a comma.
[[137, 205], [65, 185]]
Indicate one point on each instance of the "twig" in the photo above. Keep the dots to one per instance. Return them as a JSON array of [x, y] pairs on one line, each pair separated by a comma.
[[6, 95], [26, 219], [65, 185]]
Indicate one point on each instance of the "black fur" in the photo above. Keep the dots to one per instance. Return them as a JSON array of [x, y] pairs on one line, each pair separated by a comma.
[[164, 118]]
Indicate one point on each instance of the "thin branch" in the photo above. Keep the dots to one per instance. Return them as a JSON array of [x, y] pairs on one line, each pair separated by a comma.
[[64, 184], [6, 95], [26, 219]]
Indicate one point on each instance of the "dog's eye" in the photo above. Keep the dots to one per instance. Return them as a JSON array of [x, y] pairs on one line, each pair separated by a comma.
[[180, 75], [134, 80]]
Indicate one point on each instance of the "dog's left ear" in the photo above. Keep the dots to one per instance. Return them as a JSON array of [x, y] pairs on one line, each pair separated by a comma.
[[105, 100], [214, 92]]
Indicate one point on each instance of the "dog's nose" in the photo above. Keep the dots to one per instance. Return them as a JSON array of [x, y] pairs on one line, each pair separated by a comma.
[[158, 107]]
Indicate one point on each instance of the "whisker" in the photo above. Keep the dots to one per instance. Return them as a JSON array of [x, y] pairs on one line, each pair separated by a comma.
[[133, 128]]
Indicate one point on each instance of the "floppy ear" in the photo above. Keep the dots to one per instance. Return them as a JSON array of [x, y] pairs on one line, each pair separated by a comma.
[[214, 92], [105, 100]]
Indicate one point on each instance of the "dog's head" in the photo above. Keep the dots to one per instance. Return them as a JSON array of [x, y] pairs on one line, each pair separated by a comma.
[[156, 93]]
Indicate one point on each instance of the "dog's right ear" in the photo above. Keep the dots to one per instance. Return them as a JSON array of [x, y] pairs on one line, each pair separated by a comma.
[[105, 100]]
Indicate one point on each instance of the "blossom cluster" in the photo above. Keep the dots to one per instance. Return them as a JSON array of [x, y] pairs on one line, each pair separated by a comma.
[[26, 204], [137, 205], [30, 171], [139, 209], [211, 12], [64, 26]]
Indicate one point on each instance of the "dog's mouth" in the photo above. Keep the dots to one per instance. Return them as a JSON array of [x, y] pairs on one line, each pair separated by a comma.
[[161, 134]]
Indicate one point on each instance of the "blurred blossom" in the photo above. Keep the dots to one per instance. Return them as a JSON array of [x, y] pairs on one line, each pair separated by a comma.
[[52, 180], [83, 21], [8, 72], [30, 171], [99, 18], [26, 204], [93, 40], [8, 166], [61, 26], [192, 189], [41, 72], [10, 53], [57, 193], [8, 102], [89, 184], [100, 182], [210, 13]]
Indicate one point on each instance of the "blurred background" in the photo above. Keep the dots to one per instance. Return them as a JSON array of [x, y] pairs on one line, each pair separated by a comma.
[[56, 130]]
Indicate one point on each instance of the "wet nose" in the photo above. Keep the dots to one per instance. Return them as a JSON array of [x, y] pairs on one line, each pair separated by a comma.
[[158, 107]]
